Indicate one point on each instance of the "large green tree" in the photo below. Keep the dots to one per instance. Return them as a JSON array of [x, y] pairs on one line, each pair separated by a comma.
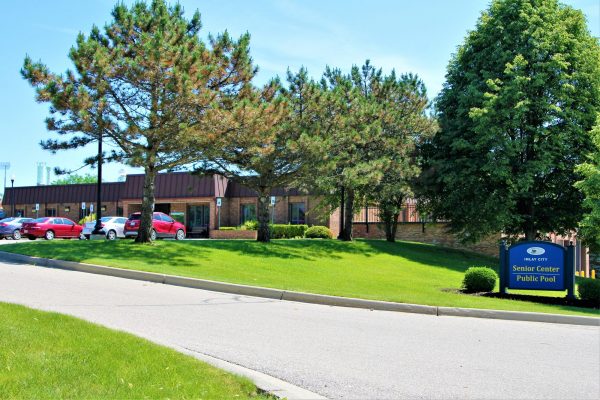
[[589, 227], [520, 95], [261, 141], [405, 124], [75, 179], [350, 162], [142, 83]]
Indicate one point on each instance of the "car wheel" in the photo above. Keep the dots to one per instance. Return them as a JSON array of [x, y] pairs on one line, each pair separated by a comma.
[[180, 235], [111, 235], [16, 234], [153, 235], [31, 237], [49, 235]]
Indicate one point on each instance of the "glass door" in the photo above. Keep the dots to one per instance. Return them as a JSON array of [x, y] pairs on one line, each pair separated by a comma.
[[198, 220]]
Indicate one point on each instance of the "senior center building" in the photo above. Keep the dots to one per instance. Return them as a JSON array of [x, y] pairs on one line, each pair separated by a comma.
[[191, 199], [206, 203]]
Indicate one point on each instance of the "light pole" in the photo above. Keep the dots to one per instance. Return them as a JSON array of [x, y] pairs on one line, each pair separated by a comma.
[[98, 226], [6, 166], [12, 194]]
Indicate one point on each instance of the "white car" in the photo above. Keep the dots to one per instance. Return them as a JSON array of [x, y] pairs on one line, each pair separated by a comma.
[[112, 227]]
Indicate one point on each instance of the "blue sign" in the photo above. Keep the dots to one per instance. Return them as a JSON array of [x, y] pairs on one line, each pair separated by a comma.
[[536, 266]]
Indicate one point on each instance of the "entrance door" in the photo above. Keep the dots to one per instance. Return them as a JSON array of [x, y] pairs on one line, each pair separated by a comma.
[[198, 220]]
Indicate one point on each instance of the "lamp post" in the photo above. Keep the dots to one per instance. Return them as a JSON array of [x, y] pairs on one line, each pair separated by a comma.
[[98, 226], [12, 194]]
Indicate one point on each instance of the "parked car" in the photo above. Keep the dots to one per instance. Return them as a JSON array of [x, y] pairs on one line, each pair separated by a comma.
[[112, 227], [2, 213], [11, 227], [163, 226], [50, 228]]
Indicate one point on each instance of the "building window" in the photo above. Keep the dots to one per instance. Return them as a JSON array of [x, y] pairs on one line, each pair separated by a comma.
[[247, 213], [119, 211], [67, 209], [19, 212], [50, 212], [296, 213], [103, 208]]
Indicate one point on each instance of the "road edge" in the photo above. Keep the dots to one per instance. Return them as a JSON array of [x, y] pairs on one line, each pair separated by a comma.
[[279, 294]]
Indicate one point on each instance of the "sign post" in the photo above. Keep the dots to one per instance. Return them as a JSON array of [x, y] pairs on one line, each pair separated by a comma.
[[537, 266], [272, 208], [219, 202], [37, 210]]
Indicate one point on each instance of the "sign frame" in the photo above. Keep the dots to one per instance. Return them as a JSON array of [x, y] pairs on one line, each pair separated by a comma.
[[565, 260]]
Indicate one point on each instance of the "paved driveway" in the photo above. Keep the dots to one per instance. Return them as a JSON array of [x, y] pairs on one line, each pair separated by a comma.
[[337, 352]]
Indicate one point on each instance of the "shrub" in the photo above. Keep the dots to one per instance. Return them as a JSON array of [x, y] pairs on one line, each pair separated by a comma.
[[318, 232], [281, 231], [589, 290], [228, 228], [250, 226], [479, 279]]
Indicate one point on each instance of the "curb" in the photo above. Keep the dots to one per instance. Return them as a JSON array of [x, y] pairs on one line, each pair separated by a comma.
[[274, 386], [278, 294]]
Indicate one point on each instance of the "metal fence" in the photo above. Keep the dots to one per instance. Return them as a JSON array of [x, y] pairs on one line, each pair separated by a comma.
[[371, 215]]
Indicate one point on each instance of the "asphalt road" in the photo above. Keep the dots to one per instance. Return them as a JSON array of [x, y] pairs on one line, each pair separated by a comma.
[[333, 351]]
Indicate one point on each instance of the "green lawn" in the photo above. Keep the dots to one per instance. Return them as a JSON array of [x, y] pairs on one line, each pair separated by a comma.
[[370, 269], [52, 356]]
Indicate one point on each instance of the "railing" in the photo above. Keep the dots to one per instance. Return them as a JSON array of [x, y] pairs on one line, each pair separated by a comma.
[[409, 213]]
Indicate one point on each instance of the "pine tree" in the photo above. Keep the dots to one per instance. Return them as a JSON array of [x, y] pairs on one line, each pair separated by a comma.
[[261, 143], [405, 124], [142, 83]]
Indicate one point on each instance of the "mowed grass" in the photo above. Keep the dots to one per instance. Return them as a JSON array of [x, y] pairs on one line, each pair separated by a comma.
[[371, 269], [52, 356]]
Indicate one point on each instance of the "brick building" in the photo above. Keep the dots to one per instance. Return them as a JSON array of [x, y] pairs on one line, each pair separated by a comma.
[[193, 201], [188, 198]]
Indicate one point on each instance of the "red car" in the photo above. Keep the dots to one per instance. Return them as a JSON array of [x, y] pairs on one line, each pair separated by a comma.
[[163, 226], [50, 228]]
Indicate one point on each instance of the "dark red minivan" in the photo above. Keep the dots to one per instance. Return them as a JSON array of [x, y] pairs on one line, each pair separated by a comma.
[[50, 228], [163, 226]]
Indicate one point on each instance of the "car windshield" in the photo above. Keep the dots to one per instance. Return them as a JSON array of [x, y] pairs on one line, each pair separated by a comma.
[[135, 217], [7, 220], [40, 220], [105, 219]]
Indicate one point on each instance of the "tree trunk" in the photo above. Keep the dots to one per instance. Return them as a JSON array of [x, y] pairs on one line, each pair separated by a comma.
[[390, 221], [341, 232], [530, 234], [530, 229], [387, 223], [348, 215], [263, 235], [145, 231], [394, 228]]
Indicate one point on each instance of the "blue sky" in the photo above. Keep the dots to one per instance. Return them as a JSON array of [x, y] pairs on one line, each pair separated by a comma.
[[408, 35]]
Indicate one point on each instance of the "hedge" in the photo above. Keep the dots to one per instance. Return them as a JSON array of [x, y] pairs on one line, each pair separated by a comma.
[[589, 290], [283, 231]]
